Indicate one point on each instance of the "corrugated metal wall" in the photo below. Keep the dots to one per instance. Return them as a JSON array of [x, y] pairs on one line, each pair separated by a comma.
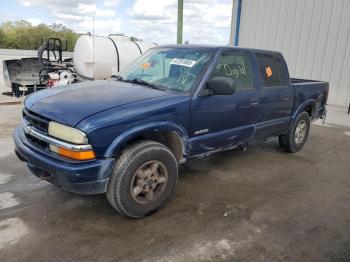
[[313, 35]]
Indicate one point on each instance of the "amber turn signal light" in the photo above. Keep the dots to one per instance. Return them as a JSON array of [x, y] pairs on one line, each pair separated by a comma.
[[77, 155]]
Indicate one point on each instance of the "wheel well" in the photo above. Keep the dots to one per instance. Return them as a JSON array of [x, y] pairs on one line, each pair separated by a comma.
[[170, 139], [310, 110]]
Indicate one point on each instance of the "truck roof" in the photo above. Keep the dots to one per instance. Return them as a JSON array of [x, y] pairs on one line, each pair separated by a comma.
[[217, 47]]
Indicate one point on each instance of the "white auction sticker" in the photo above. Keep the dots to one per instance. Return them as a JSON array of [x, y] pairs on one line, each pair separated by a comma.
[[182, 62]]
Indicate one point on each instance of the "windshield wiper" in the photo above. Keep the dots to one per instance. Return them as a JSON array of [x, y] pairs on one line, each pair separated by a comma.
[[118, 77], [145, 83], [138, 81]]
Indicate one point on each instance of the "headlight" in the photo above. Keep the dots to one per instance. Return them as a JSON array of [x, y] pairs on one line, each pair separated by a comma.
[[67, 133]]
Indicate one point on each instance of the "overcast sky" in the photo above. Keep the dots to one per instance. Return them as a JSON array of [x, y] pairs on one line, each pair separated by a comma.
[[205, 21]]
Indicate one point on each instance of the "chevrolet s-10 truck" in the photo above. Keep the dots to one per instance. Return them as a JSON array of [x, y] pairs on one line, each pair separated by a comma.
[[126, 136]]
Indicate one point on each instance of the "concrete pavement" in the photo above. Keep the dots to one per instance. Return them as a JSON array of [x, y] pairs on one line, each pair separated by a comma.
[[262, 205]]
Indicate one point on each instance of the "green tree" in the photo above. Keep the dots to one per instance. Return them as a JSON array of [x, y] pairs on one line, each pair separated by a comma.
[[23, 35], [2, 38]]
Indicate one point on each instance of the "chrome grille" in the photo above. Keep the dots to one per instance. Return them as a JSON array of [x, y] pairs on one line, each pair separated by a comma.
[[38, 122]]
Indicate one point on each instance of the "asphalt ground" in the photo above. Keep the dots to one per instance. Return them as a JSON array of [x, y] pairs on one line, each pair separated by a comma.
[[259, 205]]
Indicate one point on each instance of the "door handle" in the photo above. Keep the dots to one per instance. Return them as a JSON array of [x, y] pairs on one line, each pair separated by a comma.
[[285, 99], [254, 102]]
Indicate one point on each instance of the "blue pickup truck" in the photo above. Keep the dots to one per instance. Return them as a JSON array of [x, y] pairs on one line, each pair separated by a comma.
[[126, 136]]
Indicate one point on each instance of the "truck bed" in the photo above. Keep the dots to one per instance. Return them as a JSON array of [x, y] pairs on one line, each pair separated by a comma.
[[306, 89]]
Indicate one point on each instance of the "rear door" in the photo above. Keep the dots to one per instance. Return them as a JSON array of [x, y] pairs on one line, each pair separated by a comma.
[[277, 94], [222, 121]]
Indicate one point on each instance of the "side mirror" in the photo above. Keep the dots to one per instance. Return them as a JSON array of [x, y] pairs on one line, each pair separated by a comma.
[[219, 86]]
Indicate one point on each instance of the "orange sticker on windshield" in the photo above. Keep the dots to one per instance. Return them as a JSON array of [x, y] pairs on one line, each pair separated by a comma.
[[268, 71], [146, 65]]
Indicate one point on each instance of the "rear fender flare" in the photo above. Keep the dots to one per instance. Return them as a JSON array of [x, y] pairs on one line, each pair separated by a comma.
[[136, 131], [301, 108]]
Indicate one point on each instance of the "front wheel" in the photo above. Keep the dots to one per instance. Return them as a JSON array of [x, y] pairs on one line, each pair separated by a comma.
[[297, 135], [143, 178]]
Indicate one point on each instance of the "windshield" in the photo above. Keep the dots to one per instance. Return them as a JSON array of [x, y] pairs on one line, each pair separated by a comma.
[[174, 69]]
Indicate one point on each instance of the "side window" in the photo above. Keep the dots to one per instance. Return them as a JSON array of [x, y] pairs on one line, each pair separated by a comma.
[[268, 69], [282, 71], [235, 65]]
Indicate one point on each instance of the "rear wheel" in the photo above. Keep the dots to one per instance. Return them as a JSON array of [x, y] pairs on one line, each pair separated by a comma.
[[296, 137], [143, 178]]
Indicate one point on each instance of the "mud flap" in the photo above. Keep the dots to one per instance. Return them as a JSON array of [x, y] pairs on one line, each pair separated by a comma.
[[324, 117]]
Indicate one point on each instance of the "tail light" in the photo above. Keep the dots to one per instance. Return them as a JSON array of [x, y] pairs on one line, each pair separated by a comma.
[[325, 96]]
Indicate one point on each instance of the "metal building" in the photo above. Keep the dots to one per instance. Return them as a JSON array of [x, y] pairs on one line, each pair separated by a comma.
[[313, 35]]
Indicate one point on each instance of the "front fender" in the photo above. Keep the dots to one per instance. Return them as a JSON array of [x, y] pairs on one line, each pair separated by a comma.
[[136, 131]]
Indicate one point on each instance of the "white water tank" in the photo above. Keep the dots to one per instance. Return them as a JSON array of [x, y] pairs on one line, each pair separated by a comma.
[[100, 57]]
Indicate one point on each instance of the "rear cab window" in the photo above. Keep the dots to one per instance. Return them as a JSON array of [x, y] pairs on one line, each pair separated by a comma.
[[237, 66], [272, 70]]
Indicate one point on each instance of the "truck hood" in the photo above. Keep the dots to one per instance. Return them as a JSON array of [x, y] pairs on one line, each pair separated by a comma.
[[71, 104]]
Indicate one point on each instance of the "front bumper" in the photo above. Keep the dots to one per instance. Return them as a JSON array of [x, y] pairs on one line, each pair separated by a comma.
[[82, 177]]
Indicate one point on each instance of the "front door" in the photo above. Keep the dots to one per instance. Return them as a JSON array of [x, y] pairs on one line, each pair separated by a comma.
[[223, 121]]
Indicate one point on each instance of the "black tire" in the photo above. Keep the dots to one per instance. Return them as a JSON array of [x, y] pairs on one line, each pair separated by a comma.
[[288, 141], [119, 189]]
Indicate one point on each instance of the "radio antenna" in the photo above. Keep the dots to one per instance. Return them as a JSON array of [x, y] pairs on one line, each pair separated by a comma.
[[93, 47]]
